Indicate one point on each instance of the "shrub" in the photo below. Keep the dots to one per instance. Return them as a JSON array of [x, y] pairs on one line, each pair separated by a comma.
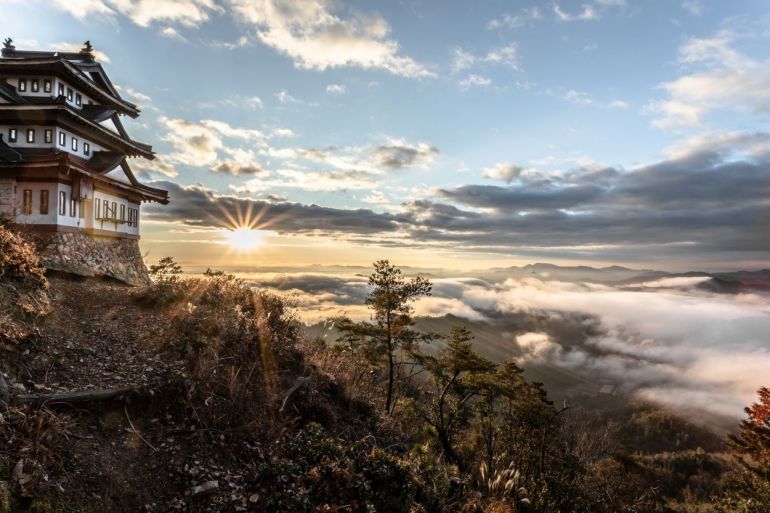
[[313, 471], [233, 341], [18, 259], [167, 287]]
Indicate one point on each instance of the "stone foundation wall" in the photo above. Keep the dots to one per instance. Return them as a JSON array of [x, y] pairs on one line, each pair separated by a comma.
[[7, 197], [86, 255]]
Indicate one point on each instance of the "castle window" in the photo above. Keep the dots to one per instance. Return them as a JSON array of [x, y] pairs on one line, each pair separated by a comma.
[[69, 94], [86, 148], [62, 203], [74, 144], [78, 99], [27, 205], [12, 135], [30, 135], [44, 202], [62, 139], [98, 209], [114, 211], [22, 85], [73, 205], [46, 86], [122, 212], [61, 89], [35, 85], [48, 135]]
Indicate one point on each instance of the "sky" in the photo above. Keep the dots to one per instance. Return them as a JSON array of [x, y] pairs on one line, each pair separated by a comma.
[[440, 133]]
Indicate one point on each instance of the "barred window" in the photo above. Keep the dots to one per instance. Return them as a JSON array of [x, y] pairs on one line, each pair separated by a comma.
[[27, 205], [44, 202]]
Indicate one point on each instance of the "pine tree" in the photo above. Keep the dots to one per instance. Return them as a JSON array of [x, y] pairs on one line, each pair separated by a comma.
[[457, 375], [390, 332]]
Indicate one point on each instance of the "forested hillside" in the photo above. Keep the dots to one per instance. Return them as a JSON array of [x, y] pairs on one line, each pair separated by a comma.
[[203, 395]]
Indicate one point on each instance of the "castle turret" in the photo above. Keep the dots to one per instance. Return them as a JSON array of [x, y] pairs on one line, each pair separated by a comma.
[[64, 162]]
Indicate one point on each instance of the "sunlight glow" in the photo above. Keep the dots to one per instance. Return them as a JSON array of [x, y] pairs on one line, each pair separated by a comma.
[[244, 238]]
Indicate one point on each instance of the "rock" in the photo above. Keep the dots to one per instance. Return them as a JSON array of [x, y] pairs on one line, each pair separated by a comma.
[[207, 487]]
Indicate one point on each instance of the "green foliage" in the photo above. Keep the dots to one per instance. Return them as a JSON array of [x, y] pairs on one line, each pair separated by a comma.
[[167, 286], [19, 261], [166, 270], [457, 376], [389, 335]]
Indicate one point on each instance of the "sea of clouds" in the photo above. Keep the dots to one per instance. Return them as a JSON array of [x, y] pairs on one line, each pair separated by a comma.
[[664, 340]]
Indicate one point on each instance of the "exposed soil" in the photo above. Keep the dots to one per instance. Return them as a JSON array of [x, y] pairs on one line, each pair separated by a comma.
[[142, 451]]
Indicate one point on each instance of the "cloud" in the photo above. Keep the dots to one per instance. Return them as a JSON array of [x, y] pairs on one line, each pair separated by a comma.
[[504, 171], [503, 55], [201, 207], [588, 12], [399, 154], [694, 7], [583, 98], [671, 343], [76, 47], [474, 80], [315, 35], [725, 79], [241, 42], [194, 143], [234, 168], [336, 89], [526, 16], [172, 33], [283, 96], [200, 143], [190, 13], [310, 180], [705, 201], [392, 155]]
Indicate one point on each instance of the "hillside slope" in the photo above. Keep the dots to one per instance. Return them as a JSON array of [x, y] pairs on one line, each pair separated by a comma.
[[168, 440]]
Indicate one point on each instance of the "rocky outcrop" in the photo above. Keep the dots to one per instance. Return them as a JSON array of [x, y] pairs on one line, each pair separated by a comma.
[[88, 255]]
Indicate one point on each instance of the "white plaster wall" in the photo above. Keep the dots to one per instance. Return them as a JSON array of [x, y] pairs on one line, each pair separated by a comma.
[[55, 93], [21, 140], [36, 217], [109, 225], [40, 93], [14, 81], [67, 219]]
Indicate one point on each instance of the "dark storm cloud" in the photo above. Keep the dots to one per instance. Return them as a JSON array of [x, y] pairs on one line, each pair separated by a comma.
[[522, 198]]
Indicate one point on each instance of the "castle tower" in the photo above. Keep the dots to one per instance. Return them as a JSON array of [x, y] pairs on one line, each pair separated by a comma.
[[64, 172]]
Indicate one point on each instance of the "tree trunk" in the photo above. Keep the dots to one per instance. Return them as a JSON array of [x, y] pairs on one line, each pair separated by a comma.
[[389, 398], [83, 396], [449, 452]]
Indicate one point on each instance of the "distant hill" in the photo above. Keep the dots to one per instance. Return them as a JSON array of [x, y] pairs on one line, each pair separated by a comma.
[[547, 272], [721, 282]]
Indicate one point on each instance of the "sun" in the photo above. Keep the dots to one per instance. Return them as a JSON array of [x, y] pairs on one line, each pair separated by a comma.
[[244, 238]]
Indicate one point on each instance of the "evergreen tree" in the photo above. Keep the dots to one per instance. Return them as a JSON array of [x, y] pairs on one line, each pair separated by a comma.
[[456, 377], [390, 332]]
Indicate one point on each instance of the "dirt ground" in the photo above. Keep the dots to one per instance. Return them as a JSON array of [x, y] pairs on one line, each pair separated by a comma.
[[141, 452]]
